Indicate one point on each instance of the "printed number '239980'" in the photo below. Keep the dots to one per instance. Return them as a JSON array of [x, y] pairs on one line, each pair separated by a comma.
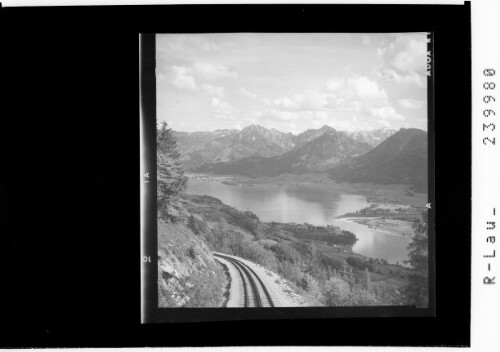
[[488, 112]]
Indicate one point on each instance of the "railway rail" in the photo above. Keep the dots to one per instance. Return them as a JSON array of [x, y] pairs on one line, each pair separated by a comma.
[[254, 290]]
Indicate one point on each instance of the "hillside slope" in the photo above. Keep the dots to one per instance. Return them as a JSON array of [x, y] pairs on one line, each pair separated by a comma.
[[323, 152], [400, 159], [313, 263], [188, 275]]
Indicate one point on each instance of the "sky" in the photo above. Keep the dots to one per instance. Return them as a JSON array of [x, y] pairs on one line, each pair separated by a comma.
[[291, 82]]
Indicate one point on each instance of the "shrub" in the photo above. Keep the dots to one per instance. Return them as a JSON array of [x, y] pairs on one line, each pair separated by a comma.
[[205, 290], [330, 263], [286, 253], [308, 283], [255, 253], [290, 272], [359, 263], [215, 239], [336, 292], [245, 219], [360, 296]]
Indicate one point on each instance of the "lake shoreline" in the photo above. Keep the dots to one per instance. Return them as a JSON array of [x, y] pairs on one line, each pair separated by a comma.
[[304, 199], [375, 193], [383, 226]]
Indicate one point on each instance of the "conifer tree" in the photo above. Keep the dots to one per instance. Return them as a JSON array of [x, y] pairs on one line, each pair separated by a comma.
[[171, 181], [418, 290]]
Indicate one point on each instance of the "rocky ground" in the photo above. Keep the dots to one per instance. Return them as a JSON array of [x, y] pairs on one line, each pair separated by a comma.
[[188, 275]]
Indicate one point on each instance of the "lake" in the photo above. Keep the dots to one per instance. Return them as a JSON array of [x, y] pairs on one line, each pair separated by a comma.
[[314, 204]]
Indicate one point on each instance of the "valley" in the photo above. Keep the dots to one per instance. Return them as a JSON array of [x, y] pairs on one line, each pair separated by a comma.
[[318, 200], [322, 211], [293, 250]]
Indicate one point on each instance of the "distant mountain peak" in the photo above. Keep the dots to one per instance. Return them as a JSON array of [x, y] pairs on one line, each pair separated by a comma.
[[326, 128], [330, 132], [372, 137], [399, 159], [321, 129], [231, 145], [254, 128]]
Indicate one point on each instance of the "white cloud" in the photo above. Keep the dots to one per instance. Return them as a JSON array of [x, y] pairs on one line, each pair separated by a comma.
[[162, 77], [180, 78], [386, 113], [214, 90], [349, 105], [342, 103], [360, 95], [309, 100], [315, 116], [334, 84], [313, 100], [279, 115], [367, 89], [413, 54], [411, 103], [222, 107], [208, 71], [384, 123], [408, 78], [224, 117], [381, 52], [404, 59], [248, 93], [286, 104]]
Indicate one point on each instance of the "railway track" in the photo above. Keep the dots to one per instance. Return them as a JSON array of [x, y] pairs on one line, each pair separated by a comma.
[[254, 291]]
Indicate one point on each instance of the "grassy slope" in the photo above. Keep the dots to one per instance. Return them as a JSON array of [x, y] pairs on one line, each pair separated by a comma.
[[188, 275]]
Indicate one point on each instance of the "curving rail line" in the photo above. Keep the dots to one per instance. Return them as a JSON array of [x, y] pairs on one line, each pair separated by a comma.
[[254, 290]]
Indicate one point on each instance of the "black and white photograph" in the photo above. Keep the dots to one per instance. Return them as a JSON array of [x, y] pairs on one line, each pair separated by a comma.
[[261, 175], [292, 170]]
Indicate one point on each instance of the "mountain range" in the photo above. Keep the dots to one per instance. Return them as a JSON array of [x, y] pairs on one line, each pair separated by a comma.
[[200, 148], [381, 156], [222, 146], [318, 154], [372, 137]]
